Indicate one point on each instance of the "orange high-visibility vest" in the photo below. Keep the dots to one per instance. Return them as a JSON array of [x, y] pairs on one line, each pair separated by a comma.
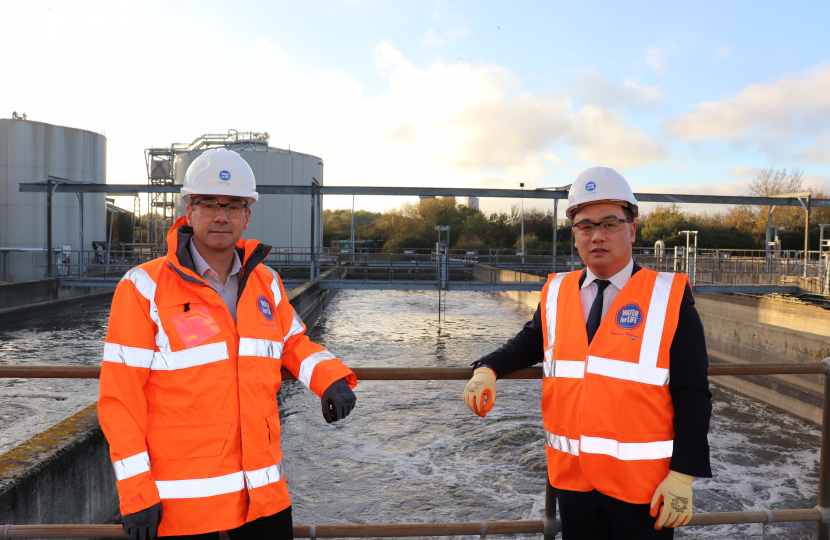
[[189, 398], [606, 407]]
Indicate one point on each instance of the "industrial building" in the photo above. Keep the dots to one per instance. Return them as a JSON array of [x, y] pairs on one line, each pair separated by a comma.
[[282, 221], [29, 153]]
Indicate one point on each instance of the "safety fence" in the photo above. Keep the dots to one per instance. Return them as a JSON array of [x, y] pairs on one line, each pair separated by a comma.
[[549, 526]]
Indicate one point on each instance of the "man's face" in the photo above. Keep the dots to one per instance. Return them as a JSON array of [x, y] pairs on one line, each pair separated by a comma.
[[604, 253], [218, 232]]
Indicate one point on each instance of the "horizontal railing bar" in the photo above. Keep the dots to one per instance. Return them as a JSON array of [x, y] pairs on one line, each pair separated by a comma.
[[423, 373], [264, 189], [414, 529]]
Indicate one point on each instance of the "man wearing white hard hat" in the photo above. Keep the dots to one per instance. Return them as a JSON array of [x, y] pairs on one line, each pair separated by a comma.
[[625, 400], [192, 366]]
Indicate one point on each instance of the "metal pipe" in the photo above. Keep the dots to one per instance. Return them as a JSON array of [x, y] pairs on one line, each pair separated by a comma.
[[422, 374], [824, 465], [551, 525], [49, 228], [413, 529]]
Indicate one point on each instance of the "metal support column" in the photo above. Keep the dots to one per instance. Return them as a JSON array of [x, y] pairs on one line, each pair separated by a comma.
[[807, 236], [313, 204], [49, 191], [555, 226], [824, 465], [549, 523], [80, 231]]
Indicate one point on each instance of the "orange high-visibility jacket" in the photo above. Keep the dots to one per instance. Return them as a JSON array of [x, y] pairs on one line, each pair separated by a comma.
[[606, 407], [189, 398]]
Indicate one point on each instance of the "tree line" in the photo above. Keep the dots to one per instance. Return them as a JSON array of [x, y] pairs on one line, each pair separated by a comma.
[[412, 225]]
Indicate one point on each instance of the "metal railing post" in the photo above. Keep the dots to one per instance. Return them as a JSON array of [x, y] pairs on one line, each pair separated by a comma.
[[549, 523], [824, 466]]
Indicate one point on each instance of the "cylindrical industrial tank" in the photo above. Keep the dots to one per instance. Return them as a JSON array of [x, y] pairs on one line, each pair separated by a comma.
[[281, 221], [29, 152]]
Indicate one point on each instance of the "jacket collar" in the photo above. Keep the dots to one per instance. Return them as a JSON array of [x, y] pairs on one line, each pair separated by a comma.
[[250, 252]]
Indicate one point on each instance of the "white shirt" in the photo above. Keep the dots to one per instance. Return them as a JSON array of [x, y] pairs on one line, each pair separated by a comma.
[[227, 291], [589, 289]]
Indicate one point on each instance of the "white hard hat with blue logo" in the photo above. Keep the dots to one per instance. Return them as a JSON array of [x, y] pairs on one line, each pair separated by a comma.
[[220, 171], [597, 185]]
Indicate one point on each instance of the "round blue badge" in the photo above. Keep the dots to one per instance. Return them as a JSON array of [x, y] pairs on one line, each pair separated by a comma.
[[224, 175], [629, 316], [590, 186], [265, 307]]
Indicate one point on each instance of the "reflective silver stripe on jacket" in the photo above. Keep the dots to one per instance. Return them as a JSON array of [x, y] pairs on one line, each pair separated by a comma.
[[147, 288], [627, 451], [628, 371], [297, 327], [570, 369], [131, 466], [307, 365], [562, 443], [260, 347], [263, 477], [656, 320], [201, 487], [196, 356], [129, 356], [551, 303]]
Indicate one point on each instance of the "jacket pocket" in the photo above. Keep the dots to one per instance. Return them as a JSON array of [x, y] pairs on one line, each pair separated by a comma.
[[187, 442], [273, 428]]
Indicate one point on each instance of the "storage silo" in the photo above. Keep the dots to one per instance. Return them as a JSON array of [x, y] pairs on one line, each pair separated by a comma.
[[29, 152], [281, 221]]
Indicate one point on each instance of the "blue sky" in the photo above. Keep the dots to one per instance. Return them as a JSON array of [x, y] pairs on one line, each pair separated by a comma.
[[679, 97]]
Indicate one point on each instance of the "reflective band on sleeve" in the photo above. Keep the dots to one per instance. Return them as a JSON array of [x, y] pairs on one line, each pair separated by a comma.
[[550, 309], [129, 356], [275, 287], [260, 347], [131, 466], [628, 371], [568, 369], [197, 356], [147, 288], [297, 327], [655, 320], [562, 443], [626, 451], [201, 487], [307, 365], [263, 477]]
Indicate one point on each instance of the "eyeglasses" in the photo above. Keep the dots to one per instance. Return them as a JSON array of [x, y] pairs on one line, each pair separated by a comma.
[[610, 226], [211, 208]]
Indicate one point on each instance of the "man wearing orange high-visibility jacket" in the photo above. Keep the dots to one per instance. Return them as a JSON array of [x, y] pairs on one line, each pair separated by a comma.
[[191, 371], [625, 394]]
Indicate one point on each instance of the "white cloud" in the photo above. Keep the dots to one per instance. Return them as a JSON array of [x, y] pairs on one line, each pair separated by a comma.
[[431, 39], [819, 152], [655, 59], [764, 112], [723, 51], [596, 89], [744, 172]]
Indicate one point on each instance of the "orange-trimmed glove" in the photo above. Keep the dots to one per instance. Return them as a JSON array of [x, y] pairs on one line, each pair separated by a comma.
[[480, 393], [675, 492]]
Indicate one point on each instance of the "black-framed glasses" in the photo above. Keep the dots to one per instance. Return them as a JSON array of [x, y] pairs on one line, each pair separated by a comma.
[[211, 208], [609, 226]]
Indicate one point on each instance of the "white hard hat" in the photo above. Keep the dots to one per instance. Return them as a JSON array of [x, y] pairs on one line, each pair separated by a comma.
[[600, 184], [220, 171]]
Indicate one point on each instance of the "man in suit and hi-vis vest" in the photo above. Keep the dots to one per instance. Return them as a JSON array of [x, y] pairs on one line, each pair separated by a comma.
[[625, 399]]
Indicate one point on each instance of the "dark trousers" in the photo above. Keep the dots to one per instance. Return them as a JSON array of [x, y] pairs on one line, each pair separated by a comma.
[[590, 515], [276, 527]]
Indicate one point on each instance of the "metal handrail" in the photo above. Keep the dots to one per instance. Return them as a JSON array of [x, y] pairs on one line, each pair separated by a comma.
[[820, 514]]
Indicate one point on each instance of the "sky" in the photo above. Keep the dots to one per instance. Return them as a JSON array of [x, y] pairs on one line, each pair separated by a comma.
[[689, 97]]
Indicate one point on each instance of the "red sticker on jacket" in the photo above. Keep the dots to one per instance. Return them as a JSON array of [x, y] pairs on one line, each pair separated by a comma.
[[195, 326]]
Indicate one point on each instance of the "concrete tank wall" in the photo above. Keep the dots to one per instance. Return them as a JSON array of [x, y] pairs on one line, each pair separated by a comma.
[[29, 152], [282, 221]]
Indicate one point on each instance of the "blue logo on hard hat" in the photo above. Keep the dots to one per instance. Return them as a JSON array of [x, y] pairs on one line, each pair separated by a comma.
[[629, 316], [591, 186], [224, 175], [265, 307]]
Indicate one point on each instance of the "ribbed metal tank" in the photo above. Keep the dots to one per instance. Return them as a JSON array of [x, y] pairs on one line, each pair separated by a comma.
[[29, 152], [282, 221]]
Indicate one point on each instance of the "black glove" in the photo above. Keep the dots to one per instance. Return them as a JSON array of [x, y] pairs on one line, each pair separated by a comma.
[[338, 401], [144, 524]]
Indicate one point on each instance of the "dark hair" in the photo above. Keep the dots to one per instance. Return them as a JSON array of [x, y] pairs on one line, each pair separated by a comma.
[[628, 212]]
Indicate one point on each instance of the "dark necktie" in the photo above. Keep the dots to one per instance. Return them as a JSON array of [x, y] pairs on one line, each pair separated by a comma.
[[595, 316]]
